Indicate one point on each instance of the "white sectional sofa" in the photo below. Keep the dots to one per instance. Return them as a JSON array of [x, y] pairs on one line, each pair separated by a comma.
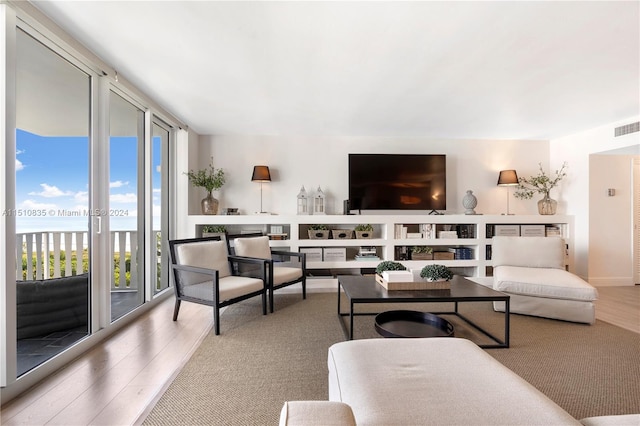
[[434, 381]]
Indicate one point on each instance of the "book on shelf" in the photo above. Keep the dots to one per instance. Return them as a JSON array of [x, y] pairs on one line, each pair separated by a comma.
[[462, 253]]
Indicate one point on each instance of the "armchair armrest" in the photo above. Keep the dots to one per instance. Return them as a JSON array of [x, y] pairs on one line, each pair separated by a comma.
[[301, 256], [196, 269]]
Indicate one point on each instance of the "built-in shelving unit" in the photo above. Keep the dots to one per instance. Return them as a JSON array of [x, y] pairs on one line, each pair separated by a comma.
[[393, 236]]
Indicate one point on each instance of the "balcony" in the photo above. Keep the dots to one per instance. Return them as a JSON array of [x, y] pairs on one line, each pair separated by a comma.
[[59, 254]]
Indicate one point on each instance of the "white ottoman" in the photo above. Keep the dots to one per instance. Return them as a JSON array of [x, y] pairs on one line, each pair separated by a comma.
[[433, 381]]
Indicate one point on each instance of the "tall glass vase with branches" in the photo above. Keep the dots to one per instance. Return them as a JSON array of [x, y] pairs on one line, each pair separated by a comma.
[[542, 184]]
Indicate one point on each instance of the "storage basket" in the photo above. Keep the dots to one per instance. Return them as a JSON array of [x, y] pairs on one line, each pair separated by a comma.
[[364, 235], [341, 234], [318, 234]]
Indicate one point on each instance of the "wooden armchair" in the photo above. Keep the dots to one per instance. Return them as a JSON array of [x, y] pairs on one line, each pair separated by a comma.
[[284, 268], [202, 270]]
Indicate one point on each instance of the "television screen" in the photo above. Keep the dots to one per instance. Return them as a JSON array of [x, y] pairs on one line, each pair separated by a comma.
[[397, 182]]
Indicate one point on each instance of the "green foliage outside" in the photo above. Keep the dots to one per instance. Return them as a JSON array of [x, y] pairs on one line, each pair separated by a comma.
[[74, 265]]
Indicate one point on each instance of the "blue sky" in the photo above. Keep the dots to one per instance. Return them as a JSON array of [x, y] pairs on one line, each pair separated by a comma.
[[52, 180]]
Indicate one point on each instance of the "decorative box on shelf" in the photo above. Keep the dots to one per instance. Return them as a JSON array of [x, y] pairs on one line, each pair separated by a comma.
[[314, 254], [421, 256], [532, 231], [405, 280], [443, 255], [335, 254], [277, 236], [341, 234], [447, 234], [507, 230], [361, 235]]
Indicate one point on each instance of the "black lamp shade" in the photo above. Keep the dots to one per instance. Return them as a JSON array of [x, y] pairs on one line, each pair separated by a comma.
[[508, 178], [261, 174]]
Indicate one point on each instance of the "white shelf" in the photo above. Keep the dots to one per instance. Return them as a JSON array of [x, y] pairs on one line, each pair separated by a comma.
[[384, 235]]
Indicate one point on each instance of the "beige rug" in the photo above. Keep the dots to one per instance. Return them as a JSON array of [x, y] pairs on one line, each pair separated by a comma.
[[243, 376]]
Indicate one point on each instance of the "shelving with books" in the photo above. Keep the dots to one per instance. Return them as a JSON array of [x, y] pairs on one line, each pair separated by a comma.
[[467, 247]]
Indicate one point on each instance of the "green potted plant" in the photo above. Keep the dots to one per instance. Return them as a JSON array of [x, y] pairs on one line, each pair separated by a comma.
[[389, 265], [318, 232], [421, 253], [436, 273], [541, 184], [364, 231], [211, 230], [210, 179]]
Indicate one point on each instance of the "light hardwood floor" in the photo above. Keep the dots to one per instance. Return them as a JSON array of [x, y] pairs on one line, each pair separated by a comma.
[[117, 382]]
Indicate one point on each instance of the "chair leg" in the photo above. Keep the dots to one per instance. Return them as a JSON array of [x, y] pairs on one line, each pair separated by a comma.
[[304, 288], [264, 303], [271, 299], [216, 318], [176, 309]]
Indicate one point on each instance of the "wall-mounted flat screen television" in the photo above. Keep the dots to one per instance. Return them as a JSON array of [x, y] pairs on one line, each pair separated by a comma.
[[397, 182]]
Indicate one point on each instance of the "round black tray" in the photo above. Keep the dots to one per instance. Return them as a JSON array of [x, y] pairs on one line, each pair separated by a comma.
[[412, 324]]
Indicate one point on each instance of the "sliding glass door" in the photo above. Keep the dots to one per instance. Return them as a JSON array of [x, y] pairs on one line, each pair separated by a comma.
[[126, 204], [53, 273]]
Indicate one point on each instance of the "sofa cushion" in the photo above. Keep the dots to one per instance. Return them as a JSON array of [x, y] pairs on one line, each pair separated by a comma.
[[230, 288], [433, 381], [51, 305], [540, 282], [532, 252], [204, 254], [316, 413], [253, 247]]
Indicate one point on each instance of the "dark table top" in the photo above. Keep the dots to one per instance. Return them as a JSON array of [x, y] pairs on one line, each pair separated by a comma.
[[365, 289]]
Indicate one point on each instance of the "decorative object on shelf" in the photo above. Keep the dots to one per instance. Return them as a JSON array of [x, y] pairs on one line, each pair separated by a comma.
[[507, 178], [211, 230], [469, 202], [542, 184], [303, 201], [261, 174], [318, 202], [231, 211], [421, 253], [341, 234], [436, 273], [389, 265], [210, 179], [318, 232], [364, 231]]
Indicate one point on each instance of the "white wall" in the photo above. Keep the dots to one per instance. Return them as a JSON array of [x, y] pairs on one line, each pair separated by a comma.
[[576, 150], [312, 162]]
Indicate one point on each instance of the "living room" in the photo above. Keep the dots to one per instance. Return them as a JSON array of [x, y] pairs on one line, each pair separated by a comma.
[[309, 145]]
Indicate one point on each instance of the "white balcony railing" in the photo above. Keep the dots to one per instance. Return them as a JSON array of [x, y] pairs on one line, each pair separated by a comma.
[[64, 253]]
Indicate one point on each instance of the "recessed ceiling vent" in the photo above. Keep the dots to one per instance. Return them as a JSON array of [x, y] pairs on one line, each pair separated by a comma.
[[628, 128]]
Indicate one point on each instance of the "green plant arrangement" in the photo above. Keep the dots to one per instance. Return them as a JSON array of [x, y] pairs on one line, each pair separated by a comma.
[[389, 265], [214, 229], [318, 227], [436, 273], [318, 232], [421, 249], [541, 184], [209, 179], [364, 231]]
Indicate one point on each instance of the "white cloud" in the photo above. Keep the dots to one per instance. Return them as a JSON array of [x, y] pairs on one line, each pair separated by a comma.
[[81, 197], [124, 198], [118, 184], [19, 165], [34, 205], [50, 191]]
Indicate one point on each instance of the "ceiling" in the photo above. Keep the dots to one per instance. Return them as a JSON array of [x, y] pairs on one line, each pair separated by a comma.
[[499, 70]]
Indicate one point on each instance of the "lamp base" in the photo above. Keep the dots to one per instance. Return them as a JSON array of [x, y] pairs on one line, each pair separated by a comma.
[[263, 213]]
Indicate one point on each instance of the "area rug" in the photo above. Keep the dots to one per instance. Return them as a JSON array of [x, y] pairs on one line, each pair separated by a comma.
[[244, 375]]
